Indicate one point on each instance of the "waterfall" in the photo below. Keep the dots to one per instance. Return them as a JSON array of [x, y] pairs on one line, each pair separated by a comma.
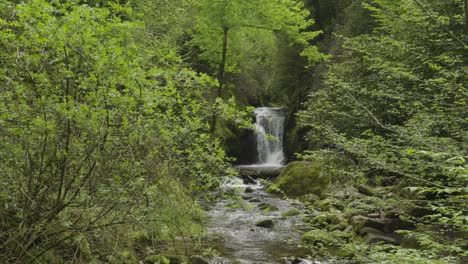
[[270, 132]]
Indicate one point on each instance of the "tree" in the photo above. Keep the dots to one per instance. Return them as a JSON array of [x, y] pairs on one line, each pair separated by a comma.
[[395, 100], [100, 137], [217, 21]]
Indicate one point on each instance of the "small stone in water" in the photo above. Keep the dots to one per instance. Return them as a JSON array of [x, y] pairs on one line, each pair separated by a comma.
[[267, 223]]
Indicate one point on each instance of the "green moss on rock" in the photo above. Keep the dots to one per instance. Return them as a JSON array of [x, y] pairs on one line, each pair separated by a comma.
[[291, 212], [319, 236], [303, 177]]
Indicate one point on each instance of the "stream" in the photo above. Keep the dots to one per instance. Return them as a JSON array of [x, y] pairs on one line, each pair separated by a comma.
[[243, 241]]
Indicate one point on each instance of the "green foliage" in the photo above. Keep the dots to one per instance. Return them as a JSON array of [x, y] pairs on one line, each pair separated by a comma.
[[244, 39], [395, 100], [99, 133]]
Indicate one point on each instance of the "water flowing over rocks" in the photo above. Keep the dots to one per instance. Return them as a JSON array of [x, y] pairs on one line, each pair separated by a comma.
[[255, 231]]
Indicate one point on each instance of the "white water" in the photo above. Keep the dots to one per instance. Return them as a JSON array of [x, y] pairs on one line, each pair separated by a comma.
[[243, 241], [270, 132]]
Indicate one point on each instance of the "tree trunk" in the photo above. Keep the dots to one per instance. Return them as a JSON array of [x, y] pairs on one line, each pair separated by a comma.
[[222, 65], [221, 71]]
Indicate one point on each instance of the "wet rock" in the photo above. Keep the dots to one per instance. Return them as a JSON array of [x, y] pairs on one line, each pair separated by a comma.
[[249, 190], [248, 180], [252, 172], [360, 221], [268, 207], [303, 177], [364, 189], [387, 181], [267, 223], [374, 215], [255, 200], [291, 212], [371, 238], [369, 230], [393, 224]]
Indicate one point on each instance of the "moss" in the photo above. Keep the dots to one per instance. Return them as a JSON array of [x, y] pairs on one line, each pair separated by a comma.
[[291, 212], [268, 207], [129, 257], [318, 236], [156, 259], [303, 177]]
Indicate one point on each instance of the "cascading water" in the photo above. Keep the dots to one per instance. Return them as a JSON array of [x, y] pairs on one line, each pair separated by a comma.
[[270, 132]]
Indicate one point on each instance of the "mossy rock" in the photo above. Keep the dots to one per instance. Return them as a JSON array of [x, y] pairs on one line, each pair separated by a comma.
[[318, 236], [332, 221], [292, 212], [303, 177]]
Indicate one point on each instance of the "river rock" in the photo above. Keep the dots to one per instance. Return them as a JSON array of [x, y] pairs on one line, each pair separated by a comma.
[[291, 212], [249, 190], [249, 173], [267, 207], [267, 223], [371, 238], [303, 177]]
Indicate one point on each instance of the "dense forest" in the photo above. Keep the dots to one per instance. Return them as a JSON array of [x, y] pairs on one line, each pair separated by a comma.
[[119, 119]]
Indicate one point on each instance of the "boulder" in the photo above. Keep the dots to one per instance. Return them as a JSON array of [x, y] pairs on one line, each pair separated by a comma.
[[371, 238], [303, 177], [393, 224], [360, 221], [369, 230], [267, 223]]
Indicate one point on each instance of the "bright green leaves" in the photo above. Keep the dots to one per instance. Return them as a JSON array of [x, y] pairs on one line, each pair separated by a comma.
[[97, 129], [247, 21], [395, 101]]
